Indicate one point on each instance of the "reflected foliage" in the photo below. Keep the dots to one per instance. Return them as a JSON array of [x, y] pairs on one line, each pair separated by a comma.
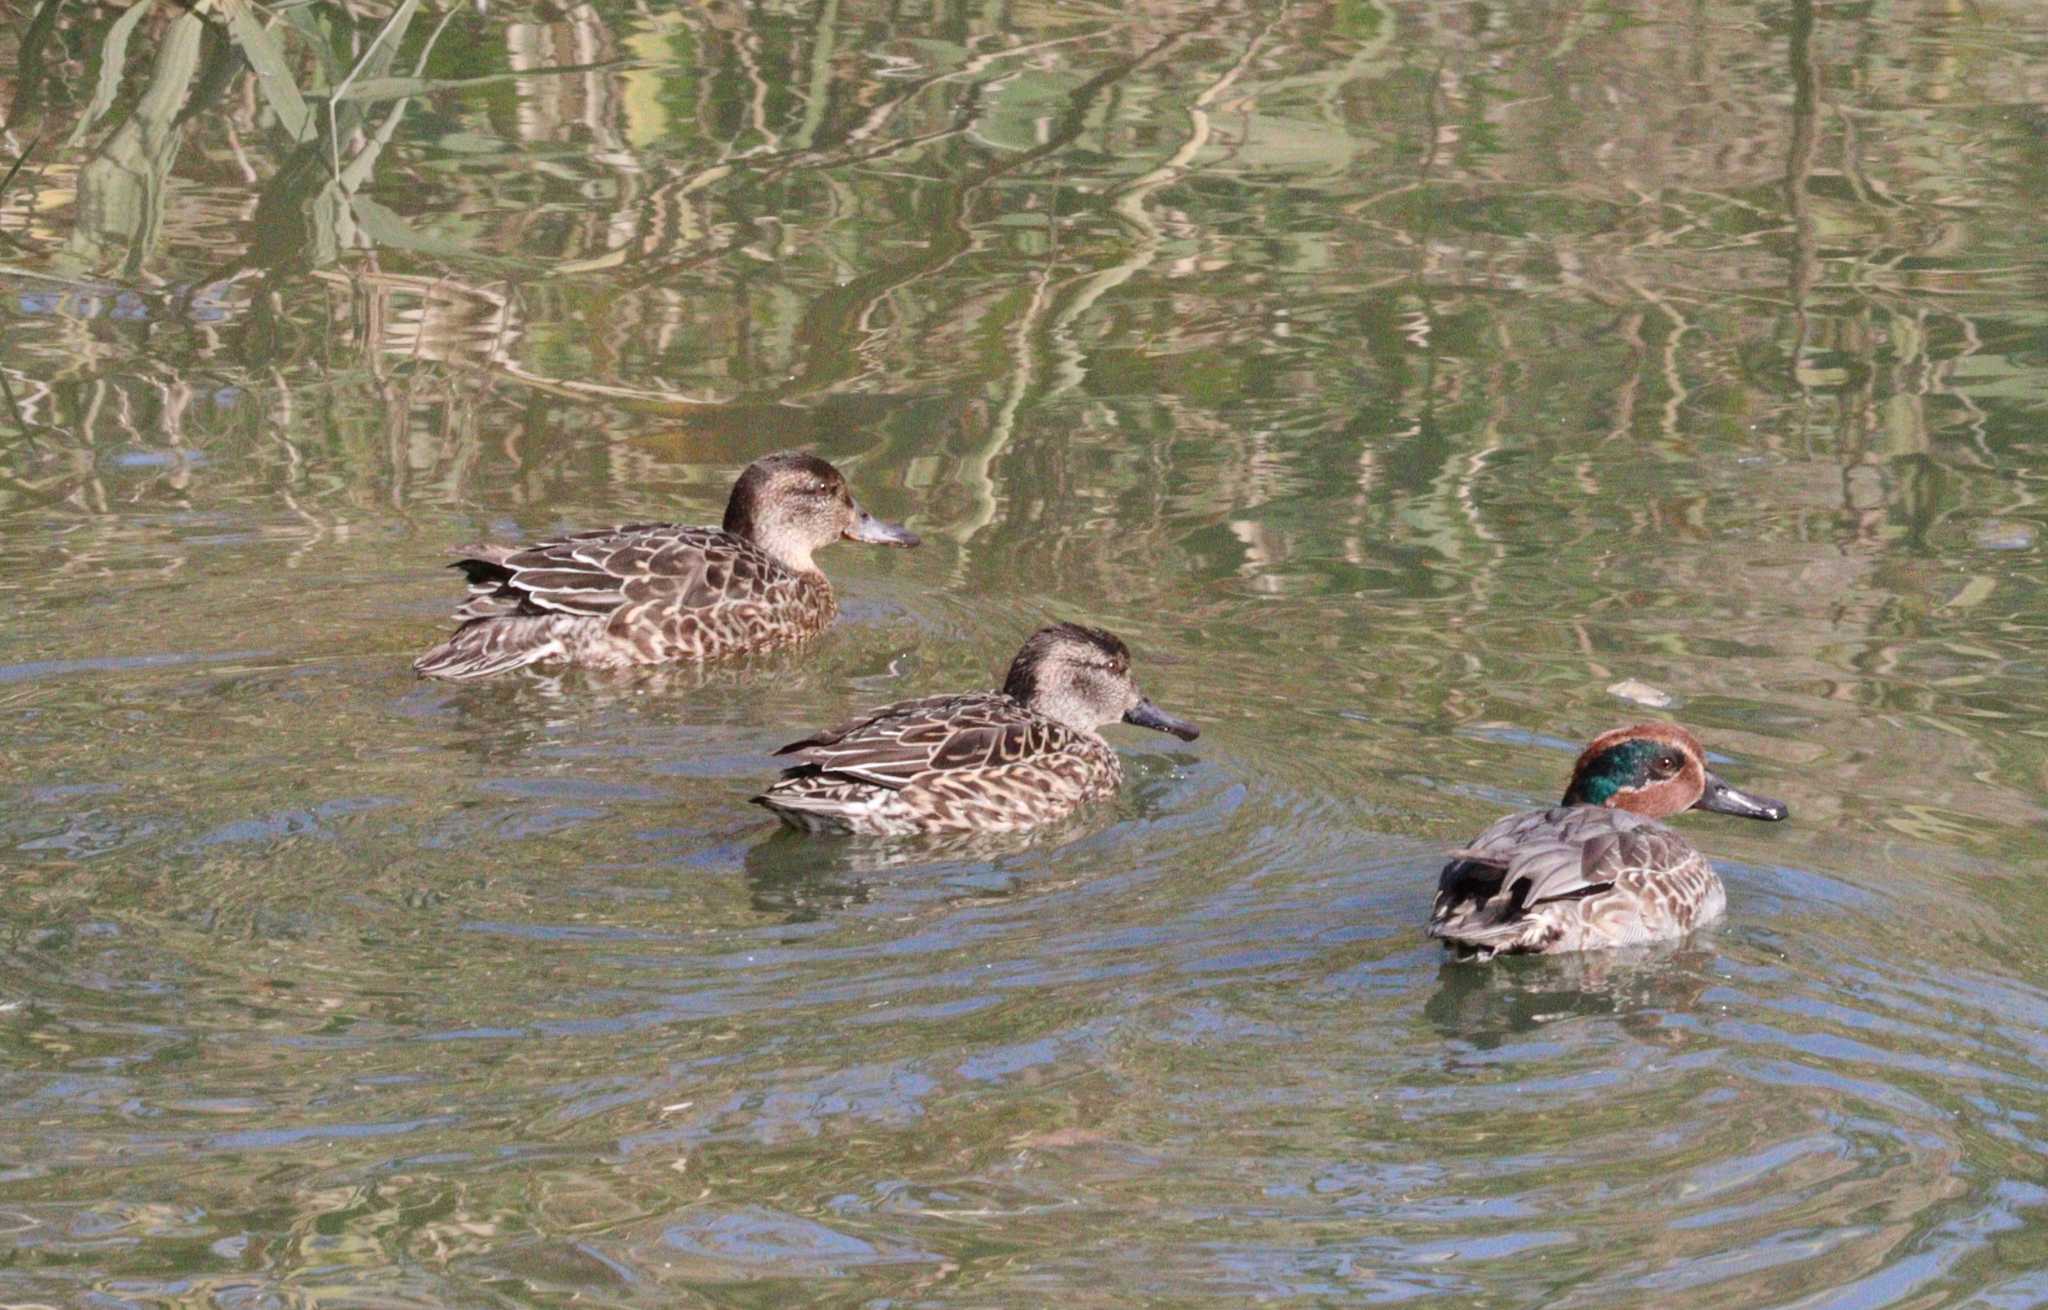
[[1417, 385]]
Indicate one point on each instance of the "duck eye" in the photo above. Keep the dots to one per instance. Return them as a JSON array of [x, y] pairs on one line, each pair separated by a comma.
[[1668, 764]]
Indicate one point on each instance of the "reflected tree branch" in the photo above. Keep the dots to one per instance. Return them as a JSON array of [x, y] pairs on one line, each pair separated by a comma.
[[1804, 263]]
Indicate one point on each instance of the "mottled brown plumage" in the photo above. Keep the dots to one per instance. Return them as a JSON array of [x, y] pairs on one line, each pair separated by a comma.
[[1598, 870], [994, 761], [651, 593]]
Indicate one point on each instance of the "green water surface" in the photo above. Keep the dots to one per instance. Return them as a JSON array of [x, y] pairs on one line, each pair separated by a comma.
[[1420, 387]]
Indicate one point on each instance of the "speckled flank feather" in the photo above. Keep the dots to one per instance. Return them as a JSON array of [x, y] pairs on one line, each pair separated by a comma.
[[981, 762], [646, 593], [1573, 878]]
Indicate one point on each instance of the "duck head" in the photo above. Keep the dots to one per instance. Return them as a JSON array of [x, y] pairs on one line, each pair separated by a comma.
[[1082, 677], [790, 503], [1658, 770]]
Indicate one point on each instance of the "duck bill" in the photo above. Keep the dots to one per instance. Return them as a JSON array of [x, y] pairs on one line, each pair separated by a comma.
[[1147, 715], [878, 532], [1724, 799]]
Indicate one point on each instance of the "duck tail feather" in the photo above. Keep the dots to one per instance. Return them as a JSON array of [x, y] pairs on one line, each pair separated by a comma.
[[801, 817], [822, 806], [487, 646], [1517, 935]]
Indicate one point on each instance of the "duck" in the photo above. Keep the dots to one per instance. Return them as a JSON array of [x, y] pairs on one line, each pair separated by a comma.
[[1599, 869], [978, 762], [659, 593]]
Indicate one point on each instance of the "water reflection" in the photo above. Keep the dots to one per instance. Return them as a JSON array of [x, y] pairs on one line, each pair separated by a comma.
[[1640, 987], [805, 877], [1415, 374]]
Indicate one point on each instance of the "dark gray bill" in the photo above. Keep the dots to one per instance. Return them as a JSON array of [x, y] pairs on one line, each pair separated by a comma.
[[1147, 715], [876, 532], [1723, 799]]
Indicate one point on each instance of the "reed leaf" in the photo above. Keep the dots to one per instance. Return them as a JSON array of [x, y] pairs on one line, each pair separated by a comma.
[[383, 47], [26, 151], [273, 74], [113, 61], [383, 226], [398, 88], [121, 190]]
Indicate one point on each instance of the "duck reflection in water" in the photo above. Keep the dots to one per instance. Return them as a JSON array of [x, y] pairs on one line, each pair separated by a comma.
[[804, 881], [1638, 987]]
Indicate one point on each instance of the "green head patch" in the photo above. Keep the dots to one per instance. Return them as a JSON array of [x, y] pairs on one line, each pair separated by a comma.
[[1621, 766]]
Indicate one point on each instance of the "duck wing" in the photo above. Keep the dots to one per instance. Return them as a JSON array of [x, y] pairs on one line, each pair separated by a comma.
[[1549, 855], [896, 745], [598, 574]]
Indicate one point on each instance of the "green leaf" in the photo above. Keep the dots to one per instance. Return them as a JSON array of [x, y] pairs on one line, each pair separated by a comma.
[[397, 88], [121, 190], [384, 227], [383, 47], [273, 74], [113, 61], [313, 23], [394, 88], [22, 159]]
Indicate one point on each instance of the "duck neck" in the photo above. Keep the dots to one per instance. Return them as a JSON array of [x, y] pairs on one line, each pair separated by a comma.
[[787, 548], [1066, 710]]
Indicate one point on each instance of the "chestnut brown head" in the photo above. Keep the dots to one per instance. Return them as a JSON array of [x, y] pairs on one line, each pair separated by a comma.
[[1658, 770]]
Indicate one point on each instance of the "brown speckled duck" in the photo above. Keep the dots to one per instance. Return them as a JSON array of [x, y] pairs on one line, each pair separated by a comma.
[[652, 593], [1598, 870], [990, 761]]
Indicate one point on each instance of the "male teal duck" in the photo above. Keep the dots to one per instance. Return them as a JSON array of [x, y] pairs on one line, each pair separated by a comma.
[[987, 761], [1597, 870], [652, 593]]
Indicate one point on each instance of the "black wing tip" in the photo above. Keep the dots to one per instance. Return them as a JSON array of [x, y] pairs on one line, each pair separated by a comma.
[[482, 571]]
